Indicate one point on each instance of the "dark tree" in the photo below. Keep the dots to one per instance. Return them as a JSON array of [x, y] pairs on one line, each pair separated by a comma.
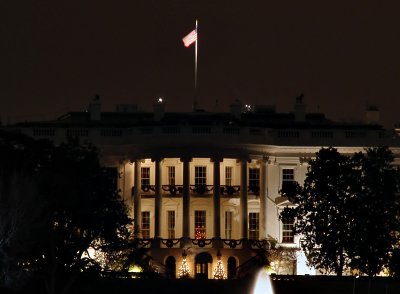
[[394, 263], [56, 202], [22, 209], [347, 211], [323, 210], [376, 215], [86, 211]]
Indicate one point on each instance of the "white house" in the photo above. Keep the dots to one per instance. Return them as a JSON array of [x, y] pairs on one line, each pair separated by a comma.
[[205, 186]]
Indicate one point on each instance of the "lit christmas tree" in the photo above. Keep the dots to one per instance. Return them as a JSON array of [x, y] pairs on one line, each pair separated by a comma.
[[219, 271], [184, 271], [200, 233]]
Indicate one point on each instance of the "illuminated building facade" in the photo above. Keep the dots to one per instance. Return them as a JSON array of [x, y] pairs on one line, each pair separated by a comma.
[[202, 187]]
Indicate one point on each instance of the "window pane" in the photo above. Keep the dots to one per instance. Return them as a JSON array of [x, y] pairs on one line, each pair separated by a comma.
[[254, 177], [228, 176], [171, 175], [200, 176], [287, 176], [228, 224], [171, 224], [145, 175], [200, 224], [145, 224], [253, 225], [287, 231]]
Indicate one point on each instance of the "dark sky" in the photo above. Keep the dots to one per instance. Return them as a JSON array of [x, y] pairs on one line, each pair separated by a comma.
[[56, 55]]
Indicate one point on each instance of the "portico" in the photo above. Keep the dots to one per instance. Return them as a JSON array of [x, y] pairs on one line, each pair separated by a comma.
[[213, 186]]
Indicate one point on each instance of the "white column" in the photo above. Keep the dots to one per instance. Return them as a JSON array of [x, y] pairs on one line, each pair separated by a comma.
[[217, 198], [263, 198], [158, 199], [243, 198], [137, 211], [186, 198]]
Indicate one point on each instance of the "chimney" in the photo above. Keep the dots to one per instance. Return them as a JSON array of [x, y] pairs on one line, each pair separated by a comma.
[[300, 109], [237, 108], [372, 116], [159, 109], [95, 108]]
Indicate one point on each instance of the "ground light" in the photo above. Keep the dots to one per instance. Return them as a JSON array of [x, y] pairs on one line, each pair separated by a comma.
[[263, 284], [135, 269]]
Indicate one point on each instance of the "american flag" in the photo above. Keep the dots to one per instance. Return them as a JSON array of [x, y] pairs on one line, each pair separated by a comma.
[[190, 38]]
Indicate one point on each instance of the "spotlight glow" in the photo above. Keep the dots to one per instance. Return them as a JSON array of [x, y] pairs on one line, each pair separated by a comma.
[[263, 283]]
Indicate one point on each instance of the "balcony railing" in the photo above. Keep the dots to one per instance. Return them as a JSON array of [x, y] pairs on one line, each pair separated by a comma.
[[200, 189], [202, 243]]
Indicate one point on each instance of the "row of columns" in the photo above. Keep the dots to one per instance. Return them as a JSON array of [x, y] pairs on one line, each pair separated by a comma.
[[216, 198]]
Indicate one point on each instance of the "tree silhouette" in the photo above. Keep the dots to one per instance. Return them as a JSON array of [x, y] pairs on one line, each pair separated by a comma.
[[22, 210], [323, 210], [346, 211], [56, 202], [376, 215], [86, 210]]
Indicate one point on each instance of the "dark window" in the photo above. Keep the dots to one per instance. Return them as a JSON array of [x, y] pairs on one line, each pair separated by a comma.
[[145, 224], [228, 175], [171, 175], [254, 177], [200, 175], [287, 231], [231, 267], [228, 224], [145, 176], [171, 224], [170, 267], [287, 177], [254, 225]]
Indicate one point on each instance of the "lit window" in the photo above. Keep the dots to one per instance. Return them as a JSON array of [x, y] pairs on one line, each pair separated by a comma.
[[145, 224], [200, 224], [228, 224], [200, 175], [171, 224], [254, 225], [171, 175], [287, 231], [228, 175], [145, 176]]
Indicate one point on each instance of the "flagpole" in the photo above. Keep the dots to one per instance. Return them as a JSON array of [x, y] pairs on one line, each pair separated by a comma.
[[195, 59], [195, 71]]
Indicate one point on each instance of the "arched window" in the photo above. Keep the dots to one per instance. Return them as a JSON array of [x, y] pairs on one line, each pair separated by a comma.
[[170, 267], [231, 267]]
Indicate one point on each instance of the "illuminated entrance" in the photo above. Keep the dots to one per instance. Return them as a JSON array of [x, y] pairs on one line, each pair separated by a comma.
[[203, 263]]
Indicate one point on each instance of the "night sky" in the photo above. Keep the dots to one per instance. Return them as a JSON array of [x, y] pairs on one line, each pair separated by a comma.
[[56, 55]]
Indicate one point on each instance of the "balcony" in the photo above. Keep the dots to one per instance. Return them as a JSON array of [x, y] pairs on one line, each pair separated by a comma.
[[202, 243], [199, 190]]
